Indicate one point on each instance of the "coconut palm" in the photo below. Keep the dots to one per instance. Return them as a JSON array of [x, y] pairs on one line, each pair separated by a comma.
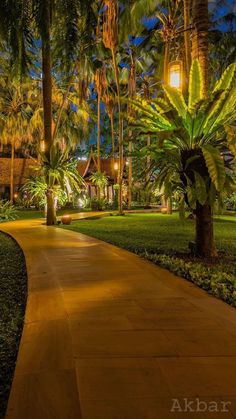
[[192, 152]]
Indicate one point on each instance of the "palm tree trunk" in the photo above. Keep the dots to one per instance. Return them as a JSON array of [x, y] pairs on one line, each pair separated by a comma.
[[148, 196], [166, 62], [47, 103], [169, 206], [99, 135], [113, 143], [120, 171], [99, 143], [51, 213], [200, 39], [12, 171], [187, 41], [130, 173], [205, 245], [132, 92]]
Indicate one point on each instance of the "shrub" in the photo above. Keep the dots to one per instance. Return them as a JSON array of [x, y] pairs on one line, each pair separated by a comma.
[[217, 283], [7, 212], [230, 202]]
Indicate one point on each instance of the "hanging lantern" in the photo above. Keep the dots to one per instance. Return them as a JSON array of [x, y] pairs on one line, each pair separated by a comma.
[[42, 146], [175, 74]]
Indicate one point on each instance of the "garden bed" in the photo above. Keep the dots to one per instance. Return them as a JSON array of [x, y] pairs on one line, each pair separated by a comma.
[[13, 294]]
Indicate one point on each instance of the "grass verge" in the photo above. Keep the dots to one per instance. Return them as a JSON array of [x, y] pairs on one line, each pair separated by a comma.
[[13, 293], [164, 239]]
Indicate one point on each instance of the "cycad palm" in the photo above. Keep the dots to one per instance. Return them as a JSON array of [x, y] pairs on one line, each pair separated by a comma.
[[191, 152]]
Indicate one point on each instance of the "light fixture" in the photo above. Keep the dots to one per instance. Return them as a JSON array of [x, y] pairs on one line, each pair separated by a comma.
[[175, 74], [116, 166], [42, 146], [66, 219]]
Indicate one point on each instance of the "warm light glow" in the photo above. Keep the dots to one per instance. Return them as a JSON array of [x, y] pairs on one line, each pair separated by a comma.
[[175, 74], [42, 146], [116, 166], [15, 195]]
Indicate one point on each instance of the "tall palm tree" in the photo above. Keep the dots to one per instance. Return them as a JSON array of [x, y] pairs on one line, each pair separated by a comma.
[[110, 40], [200, 40], [48, 15]]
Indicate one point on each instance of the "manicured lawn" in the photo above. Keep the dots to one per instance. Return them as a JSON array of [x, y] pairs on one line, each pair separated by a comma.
[[13, 292], [155, 232], [164, 240]]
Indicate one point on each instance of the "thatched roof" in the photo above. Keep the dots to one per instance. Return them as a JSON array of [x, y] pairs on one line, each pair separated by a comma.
[[22, 170], [87, 167]]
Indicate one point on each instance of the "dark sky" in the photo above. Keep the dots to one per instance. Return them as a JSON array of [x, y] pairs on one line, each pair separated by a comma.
[[228, 8]]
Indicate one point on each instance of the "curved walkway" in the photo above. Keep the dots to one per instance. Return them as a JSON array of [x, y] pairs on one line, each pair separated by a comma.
[[110, 336]]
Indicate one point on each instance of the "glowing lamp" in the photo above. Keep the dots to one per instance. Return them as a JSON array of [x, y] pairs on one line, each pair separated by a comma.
[[42, 146], [175, 74], [116, 166], [15, 195]]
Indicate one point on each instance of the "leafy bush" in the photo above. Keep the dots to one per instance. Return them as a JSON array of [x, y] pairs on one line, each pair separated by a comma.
[[35, 192], [217, 283], [7, 212], [230, 202]]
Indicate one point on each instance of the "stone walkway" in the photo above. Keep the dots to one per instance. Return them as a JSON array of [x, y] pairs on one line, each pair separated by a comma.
[[110, 336]]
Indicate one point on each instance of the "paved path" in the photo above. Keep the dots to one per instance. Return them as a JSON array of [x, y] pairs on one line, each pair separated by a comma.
[[110, 336]]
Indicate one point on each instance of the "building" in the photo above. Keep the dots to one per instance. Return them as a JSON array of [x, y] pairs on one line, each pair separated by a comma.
[[23, 168]]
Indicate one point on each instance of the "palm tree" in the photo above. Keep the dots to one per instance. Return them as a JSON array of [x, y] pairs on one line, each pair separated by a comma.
[[200, 39], [192, 153], [110, 40], [16, 113], [59, 173], [48, 15]]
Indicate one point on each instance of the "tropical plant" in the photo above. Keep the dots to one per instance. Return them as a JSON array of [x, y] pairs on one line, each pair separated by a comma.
[[99, 179], [230, 202], [35, 189], [192, 152], [7, 212], [59, 173]]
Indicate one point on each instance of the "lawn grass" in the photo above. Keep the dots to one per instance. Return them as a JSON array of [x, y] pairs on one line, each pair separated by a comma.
[[164, 240], [13, 292], [155, 232]]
